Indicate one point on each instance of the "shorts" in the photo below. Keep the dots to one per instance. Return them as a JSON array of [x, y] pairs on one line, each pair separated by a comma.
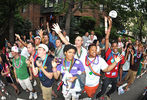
[[26, 84], [90, 90], [131, 76], [46, 92]]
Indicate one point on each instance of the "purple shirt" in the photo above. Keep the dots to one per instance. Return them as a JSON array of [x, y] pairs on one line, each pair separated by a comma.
[[77, 67]]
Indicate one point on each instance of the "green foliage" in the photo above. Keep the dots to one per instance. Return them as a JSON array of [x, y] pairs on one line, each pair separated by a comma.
[[22, 26], [9, 13], [99, 32], [87, 23]]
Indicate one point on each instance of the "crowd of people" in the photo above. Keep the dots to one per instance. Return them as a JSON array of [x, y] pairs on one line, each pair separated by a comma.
[[79, 68]]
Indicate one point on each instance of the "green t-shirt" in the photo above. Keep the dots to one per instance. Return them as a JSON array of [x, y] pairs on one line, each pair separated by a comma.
[[21, 72]]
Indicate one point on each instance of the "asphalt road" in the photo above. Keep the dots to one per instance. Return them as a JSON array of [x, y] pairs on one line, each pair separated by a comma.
[[134, 93]]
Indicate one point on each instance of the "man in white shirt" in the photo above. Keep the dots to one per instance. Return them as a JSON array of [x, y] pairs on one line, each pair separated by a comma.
[[95, 37], [85, 38], [81, 51], [24, 51]]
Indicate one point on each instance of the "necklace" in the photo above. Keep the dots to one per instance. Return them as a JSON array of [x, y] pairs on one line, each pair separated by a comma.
[[88, 63], [65, 64], [18, 64], [57, 52], [80, 53]]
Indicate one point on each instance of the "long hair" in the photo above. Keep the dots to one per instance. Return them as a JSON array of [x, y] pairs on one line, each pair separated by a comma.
[[4, 61]]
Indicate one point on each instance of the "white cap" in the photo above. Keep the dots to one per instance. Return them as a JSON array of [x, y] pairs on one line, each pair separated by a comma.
[[113, 14], [38, 37], [14, 49], [44, 46]]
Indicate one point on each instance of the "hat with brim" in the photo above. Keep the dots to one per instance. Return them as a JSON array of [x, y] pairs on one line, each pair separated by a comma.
[[38, 37], [14, 49], [43, 46]]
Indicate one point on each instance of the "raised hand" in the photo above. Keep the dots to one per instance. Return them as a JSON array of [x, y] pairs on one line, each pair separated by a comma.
[[56, 28], [54, 63], [47, 24], [118, 58], [41, 33], [132, 52], [39, 64], [17, 36]]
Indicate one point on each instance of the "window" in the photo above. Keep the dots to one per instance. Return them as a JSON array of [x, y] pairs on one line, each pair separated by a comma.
[[23, 10], [101, 7], [46, 3]]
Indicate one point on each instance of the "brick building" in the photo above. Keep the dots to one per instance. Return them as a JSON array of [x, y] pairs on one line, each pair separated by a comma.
[[39, 14]]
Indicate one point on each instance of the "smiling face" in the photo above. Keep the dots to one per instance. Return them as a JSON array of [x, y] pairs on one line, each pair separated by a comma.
[[41, 52], [78, 41], [69, 54], [115, 47], [92, 51], [14, 54], [58, 43], [46, 38], [30, 48]]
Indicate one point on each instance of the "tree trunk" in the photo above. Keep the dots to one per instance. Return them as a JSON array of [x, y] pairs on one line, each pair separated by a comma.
[[11, 27], [68, 20], [140, 28]]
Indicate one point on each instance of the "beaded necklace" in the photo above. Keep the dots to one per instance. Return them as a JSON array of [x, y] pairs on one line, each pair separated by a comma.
[[18, 64]]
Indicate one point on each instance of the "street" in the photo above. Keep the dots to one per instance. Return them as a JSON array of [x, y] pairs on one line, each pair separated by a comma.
[[133, 94]]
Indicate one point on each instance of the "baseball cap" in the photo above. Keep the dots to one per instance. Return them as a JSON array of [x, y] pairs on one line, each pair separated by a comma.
[[38, 37], [44, 46], [14, 49]]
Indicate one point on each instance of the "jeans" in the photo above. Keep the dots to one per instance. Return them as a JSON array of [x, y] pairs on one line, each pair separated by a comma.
[[106, 82]]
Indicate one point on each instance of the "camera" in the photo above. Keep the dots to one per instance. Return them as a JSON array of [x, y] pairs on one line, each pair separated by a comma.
[[39, 60], [58, 60]]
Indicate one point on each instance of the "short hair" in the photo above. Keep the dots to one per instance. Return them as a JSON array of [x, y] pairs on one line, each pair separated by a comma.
[[69, 46], [91, 45], [95, 41], [114, 41], [45, 33], [32, 43], [140, 45]]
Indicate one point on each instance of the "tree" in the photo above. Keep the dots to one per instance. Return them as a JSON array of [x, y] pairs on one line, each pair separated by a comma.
[[129, 12], [69, 7], [8, 10]]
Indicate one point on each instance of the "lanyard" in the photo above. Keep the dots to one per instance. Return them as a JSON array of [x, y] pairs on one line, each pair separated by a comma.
[[40, 72], [65, 64], [80, 53], [112, 53], [57, 53], [88, 63], [35, 55]]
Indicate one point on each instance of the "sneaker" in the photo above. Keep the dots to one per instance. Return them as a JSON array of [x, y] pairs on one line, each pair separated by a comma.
[[31, 95], [7, 93], [35, 95], [109, 86], [3, 98], [86, 99], [35, 83]]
